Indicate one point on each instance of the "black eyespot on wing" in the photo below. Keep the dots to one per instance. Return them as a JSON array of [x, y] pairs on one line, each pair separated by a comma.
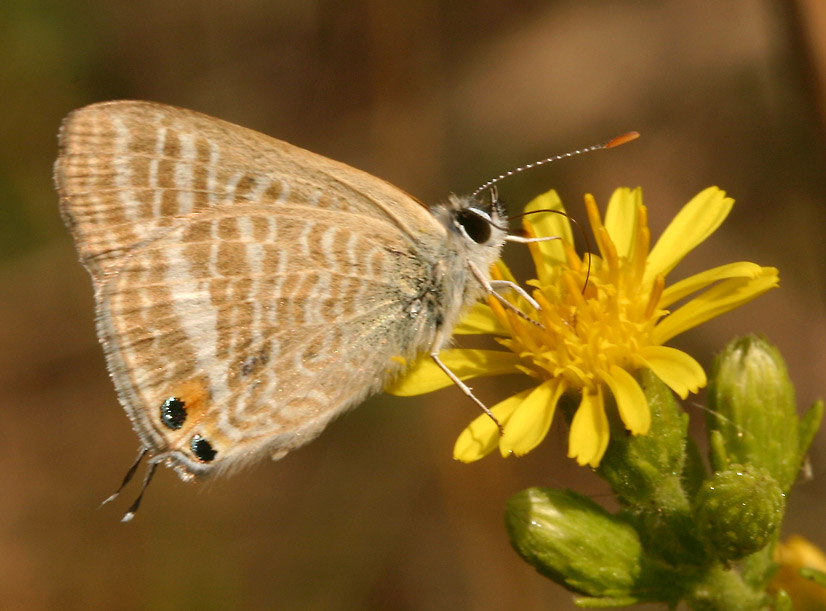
[[173, 413], [477, 227], [202, 449]]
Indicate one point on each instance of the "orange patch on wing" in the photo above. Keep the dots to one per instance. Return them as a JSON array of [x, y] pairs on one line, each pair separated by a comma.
[[194, 395]]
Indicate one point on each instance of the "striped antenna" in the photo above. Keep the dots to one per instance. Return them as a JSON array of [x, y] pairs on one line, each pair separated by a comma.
[[612, 143]]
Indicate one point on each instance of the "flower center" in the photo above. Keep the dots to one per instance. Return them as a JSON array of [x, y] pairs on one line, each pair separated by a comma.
[[592, 319]]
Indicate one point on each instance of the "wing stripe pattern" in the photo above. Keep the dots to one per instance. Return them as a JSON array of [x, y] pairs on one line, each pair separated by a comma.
[[252, 321], [115, 147], [264, 286]]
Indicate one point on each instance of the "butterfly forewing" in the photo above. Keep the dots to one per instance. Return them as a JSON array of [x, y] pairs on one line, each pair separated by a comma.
[[251, 289], [127, 171]]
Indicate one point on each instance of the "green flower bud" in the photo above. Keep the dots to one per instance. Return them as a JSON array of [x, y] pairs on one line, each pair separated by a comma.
[[753, 411], [738, 511], [783, 602], [578, 544]]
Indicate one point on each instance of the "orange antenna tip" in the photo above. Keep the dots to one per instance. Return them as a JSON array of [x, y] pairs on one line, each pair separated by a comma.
[[626, 137]]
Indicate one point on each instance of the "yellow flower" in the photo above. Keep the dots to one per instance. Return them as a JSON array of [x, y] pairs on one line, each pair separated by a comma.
[[596, 326], [793, 554]]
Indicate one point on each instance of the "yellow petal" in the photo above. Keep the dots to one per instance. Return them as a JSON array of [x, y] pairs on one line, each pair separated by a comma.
[[792, 555], [717, 300], [481, 437], [589, 434], [692, 284], [698, 219], [675, 368], [531, 422], [621, 218], [548, 224], [631, 402], [480, 320], [425, 376]]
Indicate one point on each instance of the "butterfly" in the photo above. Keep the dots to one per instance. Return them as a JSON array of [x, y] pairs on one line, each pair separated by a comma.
[[248, 291]]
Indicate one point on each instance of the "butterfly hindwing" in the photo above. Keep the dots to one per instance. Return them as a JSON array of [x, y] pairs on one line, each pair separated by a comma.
[[263, 344]]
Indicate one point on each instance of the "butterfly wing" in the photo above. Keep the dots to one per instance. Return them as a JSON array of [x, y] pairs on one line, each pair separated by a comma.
[[262, 345], [247, 291], [129, 170]]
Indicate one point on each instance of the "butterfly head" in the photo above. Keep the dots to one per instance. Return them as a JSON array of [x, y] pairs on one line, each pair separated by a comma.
[[477, 224]]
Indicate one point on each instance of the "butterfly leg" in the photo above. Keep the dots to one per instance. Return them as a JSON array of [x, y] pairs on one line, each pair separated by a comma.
[[491, 285], [465, 389], [507, 284]]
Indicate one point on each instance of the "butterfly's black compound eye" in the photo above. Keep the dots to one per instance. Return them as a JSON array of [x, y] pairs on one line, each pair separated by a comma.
[[202, 449], [476, 225], [173, 413]]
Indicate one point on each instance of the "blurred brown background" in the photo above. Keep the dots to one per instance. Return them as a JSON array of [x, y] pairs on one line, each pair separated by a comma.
[[434, 96]]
